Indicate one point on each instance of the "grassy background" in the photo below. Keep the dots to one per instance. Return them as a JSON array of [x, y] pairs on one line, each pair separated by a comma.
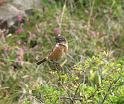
[[95, 62]]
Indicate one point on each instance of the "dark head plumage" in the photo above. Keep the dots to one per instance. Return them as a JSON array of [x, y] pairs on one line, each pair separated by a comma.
[[60, 39]]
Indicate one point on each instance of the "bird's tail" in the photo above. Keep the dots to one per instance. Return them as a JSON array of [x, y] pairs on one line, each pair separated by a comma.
[[41, 61]]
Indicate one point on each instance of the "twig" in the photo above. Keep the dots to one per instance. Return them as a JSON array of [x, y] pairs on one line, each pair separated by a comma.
[[74, 98], [75, 93], [91, 13], [61, 18], [105, 97]]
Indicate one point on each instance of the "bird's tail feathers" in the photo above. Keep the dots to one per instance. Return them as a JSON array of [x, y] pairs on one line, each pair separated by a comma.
[[41, 61]]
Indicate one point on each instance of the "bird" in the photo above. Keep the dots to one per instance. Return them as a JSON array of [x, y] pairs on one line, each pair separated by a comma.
[[60, 50]]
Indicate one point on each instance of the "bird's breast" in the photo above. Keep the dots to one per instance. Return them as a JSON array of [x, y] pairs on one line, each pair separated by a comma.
[[57, 53]]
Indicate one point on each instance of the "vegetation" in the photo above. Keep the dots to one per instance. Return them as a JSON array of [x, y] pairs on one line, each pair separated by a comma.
[[94, 65]]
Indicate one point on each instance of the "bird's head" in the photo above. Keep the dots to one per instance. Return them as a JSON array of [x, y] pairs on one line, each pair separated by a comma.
[[60, 39]]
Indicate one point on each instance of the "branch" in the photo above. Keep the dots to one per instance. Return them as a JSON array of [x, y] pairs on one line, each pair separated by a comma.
[[106, 95]]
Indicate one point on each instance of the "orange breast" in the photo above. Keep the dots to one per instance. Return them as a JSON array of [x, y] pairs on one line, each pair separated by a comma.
[[57, 53]]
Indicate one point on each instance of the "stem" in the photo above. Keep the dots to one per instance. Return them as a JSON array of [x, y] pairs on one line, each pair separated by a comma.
[[91, 13], [106, 95], [72, 102], [63, 11]]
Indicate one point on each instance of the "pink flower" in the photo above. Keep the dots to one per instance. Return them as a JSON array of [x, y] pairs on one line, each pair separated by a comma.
[[19, 42], [57, 31], [20, 18], [93, 33], [19, 31], [20, 56]]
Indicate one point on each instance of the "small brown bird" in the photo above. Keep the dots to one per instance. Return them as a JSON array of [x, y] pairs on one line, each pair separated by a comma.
[[60, 49]]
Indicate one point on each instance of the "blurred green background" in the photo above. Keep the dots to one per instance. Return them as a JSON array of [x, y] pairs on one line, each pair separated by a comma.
[[95, 62]]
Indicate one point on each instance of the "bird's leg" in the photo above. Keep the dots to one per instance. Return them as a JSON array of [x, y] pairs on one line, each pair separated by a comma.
[[60, 72], [57, 65]]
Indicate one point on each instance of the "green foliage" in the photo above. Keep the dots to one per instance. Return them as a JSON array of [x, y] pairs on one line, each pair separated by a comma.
[[94, 66], [50, 94]]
